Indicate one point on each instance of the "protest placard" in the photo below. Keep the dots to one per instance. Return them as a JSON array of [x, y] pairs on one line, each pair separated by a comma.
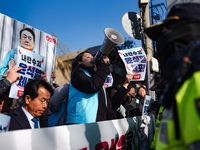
[[135, 62], [14, 33], [32, 65], [147, 101], [108, 82]]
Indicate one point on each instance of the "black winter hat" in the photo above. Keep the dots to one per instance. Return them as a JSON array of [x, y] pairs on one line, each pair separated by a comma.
[[187, 11]]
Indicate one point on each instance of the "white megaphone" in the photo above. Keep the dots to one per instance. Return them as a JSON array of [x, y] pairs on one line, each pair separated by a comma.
[[112, 39]]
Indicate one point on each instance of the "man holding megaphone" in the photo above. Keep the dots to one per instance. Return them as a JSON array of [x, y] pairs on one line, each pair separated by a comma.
[[88, 102]]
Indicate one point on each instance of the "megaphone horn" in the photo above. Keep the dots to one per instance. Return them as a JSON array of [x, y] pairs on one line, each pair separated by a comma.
[[112, 39]]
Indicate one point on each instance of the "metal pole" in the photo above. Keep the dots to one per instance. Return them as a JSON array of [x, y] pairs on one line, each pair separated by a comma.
[[147, 47]]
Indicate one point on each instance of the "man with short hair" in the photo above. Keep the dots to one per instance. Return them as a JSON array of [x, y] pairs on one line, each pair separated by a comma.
[[117, 97], [36, 97], [131, 103], [27, 39], [131, 91]]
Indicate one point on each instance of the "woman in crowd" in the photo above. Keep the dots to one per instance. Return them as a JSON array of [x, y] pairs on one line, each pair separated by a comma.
[[141, 93], [87, 100]]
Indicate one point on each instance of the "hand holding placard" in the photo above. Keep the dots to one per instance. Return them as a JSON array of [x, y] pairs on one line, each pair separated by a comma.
[[13, 75]]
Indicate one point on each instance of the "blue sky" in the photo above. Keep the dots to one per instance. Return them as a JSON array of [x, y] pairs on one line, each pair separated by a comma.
[[79, 23]]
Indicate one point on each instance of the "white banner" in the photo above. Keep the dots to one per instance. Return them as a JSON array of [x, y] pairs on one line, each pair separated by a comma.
[[4, 122], [32, 65], [118, 134], [135, 62]]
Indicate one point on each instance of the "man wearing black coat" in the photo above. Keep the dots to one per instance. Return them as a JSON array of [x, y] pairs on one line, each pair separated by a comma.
[[36, 96]]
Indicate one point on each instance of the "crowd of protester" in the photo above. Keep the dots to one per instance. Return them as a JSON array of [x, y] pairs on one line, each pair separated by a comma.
[[84, 100]]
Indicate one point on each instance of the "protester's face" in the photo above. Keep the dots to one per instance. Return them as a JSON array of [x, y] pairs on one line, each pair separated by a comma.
[[87, 60], [37, 106], [27, 40], [131, 92], [142, 92]]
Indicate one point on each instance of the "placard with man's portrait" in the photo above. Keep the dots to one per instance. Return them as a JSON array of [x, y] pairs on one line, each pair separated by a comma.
[[14, 33]]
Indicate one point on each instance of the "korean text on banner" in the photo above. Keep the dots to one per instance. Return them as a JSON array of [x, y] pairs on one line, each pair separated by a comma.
[[4, 123], [147, 101], [135, 61], [14, 33], [118, 134], [32, 65]]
